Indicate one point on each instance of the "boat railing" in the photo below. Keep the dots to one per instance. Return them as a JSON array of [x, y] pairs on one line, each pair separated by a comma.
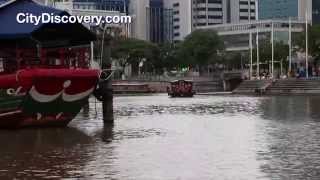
[[44, 58], [106, 74]]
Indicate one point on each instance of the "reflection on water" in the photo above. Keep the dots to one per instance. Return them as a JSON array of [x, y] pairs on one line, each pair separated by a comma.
[[51, 153], [156, 137]]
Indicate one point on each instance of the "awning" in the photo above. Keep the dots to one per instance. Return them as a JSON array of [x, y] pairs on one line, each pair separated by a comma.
[[2, 1], [73, 34]]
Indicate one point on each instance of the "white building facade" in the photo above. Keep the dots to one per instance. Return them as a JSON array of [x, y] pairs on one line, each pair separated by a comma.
[[189, 15], [182, 21], [138, 11]]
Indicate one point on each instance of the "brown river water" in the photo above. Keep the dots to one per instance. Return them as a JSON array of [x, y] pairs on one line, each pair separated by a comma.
[[156, 137]]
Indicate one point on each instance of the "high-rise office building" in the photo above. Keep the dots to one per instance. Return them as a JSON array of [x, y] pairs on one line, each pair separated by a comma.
[[108, 5], [316, 11], [159, 22], [181, 17], [285, 9], [138, 11], [104, 5], [207, 12], [279, 9], [241, 11], [189, 15]]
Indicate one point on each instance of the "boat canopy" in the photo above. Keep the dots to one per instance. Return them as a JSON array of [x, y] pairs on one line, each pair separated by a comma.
[[46, 34], [3, 1]]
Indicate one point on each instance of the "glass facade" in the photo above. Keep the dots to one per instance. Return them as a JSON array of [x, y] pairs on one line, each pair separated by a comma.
[[159, 20], [278, 9], [109, 5], [316, 11]]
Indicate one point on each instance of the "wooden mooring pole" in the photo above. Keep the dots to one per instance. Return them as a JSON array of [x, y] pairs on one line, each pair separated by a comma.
[[104, 91], [107, 103]]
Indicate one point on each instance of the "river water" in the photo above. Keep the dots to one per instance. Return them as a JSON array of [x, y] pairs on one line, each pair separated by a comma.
[[156, 137]]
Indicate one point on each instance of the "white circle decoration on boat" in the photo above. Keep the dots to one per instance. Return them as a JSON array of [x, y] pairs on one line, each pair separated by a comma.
[[66, 84], [43, 98], [11, 91], [58, 116], [39, 116]]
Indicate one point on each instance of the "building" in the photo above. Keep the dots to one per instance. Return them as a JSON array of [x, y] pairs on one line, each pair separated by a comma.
[[285, 9], [109, 5], [159, 22], [208, 12], [105, 5], [236, 36], [241, 11], [316, 11], [189, 15], [181, 17], [97, 8], [138, 11]]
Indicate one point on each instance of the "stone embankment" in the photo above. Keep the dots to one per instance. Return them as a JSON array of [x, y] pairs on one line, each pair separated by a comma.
[[278, 87], [161, 86]]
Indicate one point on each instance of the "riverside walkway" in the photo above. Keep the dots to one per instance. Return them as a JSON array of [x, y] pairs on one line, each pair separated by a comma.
[[281, 86]]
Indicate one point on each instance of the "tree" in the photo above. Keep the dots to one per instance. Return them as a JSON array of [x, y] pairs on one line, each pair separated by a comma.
[[233, 60], [313, 41], [168, 56], [200, 47], [281, 51], [134, 51]]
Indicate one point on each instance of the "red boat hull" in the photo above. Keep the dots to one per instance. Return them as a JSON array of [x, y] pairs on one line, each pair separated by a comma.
[[44, 97]]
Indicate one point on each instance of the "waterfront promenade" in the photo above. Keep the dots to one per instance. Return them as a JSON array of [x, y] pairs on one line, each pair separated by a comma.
[[290, 86]]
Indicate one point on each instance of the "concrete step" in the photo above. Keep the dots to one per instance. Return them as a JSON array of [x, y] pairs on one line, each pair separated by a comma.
[[208, 86], [295, 87], [251, 86]]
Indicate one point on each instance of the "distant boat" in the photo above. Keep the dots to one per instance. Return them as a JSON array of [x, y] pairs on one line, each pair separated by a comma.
[[45, 78], [181, 88]]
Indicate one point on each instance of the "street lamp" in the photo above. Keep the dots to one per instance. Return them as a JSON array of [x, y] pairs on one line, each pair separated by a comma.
[[272, 50], [102, 44], [307, 53], [290, 45], [251, 54]]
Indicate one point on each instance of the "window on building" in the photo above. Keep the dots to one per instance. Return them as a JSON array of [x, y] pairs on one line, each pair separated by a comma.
[[201, 24], [214, 17], [200, 9], [244, 17], [214, 1], [201, 16], [176, 19], [201, 1], [214, 9], [213, 23], [243, 2]]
